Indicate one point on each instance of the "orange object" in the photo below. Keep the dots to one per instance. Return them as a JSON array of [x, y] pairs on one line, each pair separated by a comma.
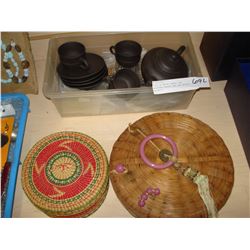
[[6, 129]]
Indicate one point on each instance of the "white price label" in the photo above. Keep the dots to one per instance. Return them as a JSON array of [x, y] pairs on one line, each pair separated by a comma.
[[179, 84]]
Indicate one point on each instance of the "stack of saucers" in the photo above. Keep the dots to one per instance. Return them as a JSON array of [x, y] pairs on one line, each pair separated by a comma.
[[79, 69]]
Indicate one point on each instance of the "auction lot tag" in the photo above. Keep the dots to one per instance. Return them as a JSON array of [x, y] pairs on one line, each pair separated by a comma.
[[179, 85]]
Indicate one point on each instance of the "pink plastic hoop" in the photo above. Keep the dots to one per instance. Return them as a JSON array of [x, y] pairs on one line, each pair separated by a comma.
[[147, 161]]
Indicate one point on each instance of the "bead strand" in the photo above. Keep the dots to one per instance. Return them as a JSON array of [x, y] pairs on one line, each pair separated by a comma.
[[8, 56], [150, 191]]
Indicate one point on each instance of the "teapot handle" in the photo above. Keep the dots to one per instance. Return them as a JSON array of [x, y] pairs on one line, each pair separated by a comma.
[[112, 50], [180, 50]]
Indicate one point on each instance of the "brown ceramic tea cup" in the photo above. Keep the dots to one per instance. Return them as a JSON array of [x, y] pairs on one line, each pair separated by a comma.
[[73, 54], [127, 53]]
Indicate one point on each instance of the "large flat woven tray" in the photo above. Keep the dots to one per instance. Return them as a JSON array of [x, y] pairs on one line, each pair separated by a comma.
[[198, 145]]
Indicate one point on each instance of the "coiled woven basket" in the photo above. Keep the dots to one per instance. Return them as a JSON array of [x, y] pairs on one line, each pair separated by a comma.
[[198, 145], [66, 175]]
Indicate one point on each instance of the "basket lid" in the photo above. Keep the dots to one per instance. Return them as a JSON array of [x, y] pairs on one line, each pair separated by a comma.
[[66, 174], [199, 146]]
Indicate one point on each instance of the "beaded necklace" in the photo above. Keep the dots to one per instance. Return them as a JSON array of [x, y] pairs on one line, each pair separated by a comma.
[[8, 56]]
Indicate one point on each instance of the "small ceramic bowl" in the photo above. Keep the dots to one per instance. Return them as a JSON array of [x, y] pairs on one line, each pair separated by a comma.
[[126, 78]]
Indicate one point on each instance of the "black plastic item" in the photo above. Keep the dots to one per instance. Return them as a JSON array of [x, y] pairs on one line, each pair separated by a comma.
[[127, 53], [4, 139], [4, 178], [163, 63], [238, 97], [220, 50], [95, 65], [126, 78], [72, 54]]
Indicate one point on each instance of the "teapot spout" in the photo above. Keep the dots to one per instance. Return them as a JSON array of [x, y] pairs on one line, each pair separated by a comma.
[[180, 50]]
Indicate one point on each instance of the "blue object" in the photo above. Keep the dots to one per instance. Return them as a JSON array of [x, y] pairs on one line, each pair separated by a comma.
[[20, 103], [245, 69]]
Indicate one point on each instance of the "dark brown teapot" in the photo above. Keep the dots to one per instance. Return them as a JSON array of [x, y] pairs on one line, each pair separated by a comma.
[[163, 63]]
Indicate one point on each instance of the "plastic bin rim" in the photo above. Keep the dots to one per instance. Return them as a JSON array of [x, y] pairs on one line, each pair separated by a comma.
[[16, 95], [18, 147]]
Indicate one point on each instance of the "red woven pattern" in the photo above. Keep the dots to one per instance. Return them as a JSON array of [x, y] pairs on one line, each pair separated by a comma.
[[65, 174]]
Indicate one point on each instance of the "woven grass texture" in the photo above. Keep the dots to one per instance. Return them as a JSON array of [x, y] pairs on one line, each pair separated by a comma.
[[66, 175], [199, 146]]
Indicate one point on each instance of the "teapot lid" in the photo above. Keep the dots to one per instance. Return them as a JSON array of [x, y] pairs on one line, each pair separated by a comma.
[[170, 62]]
